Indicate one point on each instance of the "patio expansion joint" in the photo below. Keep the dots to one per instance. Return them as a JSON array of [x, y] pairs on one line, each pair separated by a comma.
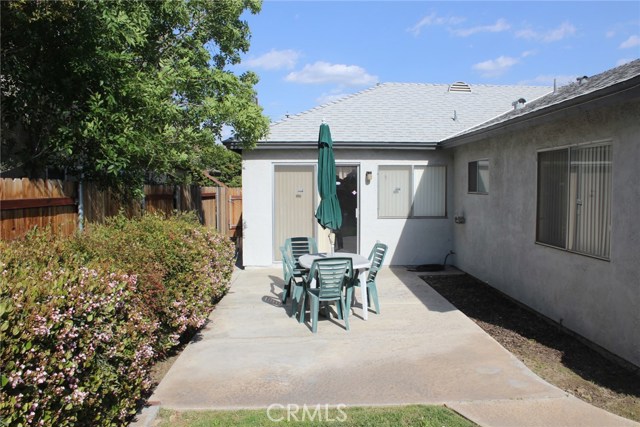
[[514, 399]]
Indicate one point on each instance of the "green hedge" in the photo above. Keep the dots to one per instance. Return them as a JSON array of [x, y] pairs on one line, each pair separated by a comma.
[[82, 320], [182, 269]]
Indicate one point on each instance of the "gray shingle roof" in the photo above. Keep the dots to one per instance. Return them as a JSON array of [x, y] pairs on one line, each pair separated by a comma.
[[590, 87], [402, 113]]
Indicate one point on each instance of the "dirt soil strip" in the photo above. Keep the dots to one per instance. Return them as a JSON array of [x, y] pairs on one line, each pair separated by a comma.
[[556, 356]]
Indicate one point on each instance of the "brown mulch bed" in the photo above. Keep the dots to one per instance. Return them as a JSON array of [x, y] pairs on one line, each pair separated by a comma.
[[555, 355]]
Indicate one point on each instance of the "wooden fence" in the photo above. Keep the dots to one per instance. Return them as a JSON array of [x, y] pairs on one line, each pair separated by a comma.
[[25, 204]]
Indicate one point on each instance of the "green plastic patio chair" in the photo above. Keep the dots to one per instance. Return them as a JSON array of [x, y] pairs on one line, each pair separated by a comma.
[[295, 247], [298, 246], [289, 273], [377, 258], [331, 275], [294, 282]]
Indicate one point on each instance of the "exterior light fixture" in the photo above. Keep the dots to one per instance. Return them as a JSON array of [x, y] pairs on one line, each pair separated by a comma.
[[368, 176]]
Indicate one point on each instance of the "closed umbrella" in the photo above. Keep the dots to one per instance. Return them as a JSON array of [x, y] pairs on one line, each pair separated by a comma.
[[328, 214]]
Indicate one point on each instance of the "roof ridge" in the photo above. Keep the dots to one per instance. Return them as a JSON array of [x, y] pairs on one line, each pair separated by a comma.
[[470, 84]]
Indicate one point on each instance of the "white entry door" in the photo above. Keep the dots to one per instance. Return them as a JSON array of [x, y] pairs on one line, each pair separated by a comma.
[[294, 204]]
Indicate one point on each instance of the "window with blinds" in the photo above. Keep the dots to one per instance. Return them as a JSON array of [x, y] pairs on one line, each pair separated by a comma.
[[574, 199], [410, 191]]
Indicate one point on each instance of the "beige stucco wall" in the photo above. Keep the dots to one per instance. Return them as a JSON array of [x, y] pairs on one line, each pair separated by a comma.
[[411, 241], [598, 299]]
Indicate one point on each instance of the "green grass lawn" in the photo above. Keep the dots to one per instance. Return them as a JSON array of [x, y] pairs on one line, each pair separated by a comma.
[[392, 416]]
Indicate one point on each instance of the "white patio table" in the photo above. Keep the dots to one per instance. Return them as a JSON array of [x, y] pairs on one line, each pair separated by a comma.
[[360, 265]]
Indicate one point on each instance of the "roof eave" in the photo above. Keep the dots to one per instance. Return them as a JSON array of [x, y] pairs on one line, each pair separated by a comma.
[[628, 89], [348, 145]]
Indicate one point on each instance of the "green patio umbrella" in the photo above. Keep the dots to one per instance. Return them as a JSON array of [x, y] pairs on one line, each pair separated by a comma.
[[329, 214]]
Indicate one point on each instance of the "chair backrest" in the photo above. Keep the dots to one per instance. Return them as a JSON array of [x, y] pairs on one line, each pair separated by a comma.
[[377, 258], [298, 246], [331, 275], [287, 263]]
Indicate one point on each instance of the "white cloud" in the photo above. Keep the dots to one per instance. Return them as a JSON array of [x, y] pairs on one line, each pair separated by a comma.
[[527, 53], [623, 61], [495, 67], [275, 60], [547, 80], [499, 26], [632, 41], [433, 19], [565, 30], [527, 34], [324, 72]]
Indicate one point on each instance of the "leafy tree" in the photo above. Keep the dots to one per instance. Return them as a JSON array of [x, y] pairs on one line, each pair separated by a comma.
[[225, 165], [115, 89]]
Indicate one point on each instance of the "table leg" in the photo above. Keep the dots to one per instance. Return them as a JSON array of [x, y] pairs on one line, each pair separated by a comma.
[[362, 277]]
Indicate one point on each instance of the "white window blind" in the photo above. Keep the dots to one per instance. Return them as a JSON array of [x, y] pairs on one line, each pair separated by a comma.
[[429, 189], [394, 198], [412, 191], [591, 208], [552, 197]]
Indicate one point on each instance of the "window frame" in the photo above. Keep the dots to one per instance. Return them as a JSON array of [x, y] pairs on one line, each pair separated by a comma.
[[477, 177], [412, 186], [570, 231]]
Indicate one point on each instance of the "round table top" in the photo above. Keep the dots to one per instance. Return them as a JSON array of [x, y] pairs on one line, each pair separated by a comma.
[[359, 261]]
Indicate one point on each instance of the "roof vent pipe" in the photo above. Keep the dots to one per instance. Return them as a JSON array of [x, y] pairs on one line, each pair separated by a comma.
[[519, 103]]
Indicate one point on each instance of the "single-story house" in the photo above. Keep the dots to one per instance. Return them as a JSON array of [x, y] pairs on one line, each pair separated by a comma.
[[394, 180], [535, 189]]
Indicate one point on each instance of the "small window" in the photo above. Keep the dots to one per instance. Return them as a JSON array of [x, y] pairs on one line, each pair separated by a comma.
[[479, 177]]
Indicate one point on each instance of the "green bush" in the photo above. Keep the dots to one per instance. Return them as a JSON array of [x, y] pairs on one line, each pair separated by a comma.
[[182, 268], [76, 347], [82, 320]]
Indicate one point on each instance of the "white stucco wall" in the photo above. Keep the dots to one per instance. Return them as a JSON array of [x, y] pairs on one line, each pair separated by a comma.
[[598, 299], [411, 241]]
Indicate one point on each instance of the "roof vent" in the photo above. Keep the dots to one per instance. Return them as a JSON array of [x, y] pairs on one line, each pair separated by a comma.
[[519, 103], [582, 79], [459, 87]]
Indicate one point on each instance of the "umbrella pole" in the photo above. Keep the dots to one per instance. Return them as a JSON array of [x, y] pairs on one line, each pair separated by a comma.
[[332, 242]]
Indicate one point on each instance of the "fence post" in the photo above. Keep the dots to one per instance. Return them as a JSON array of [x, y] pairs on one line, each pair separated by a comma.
[[219, 201], [176, 198]]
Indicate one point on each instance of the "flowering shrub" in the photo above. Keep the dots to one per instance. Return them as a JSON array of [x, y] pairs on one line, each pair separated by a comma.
[[76, 347], [82, 320], [182, 267]]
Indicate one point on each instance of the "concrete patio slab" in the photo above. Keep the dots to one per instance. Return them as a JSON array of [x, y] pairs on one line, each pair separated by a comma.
[[420, 349], [567, 412]]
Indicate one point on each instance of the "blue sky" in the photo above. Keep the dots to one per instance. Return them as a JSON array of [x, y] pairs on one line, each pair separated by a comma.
[[308, 53]]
